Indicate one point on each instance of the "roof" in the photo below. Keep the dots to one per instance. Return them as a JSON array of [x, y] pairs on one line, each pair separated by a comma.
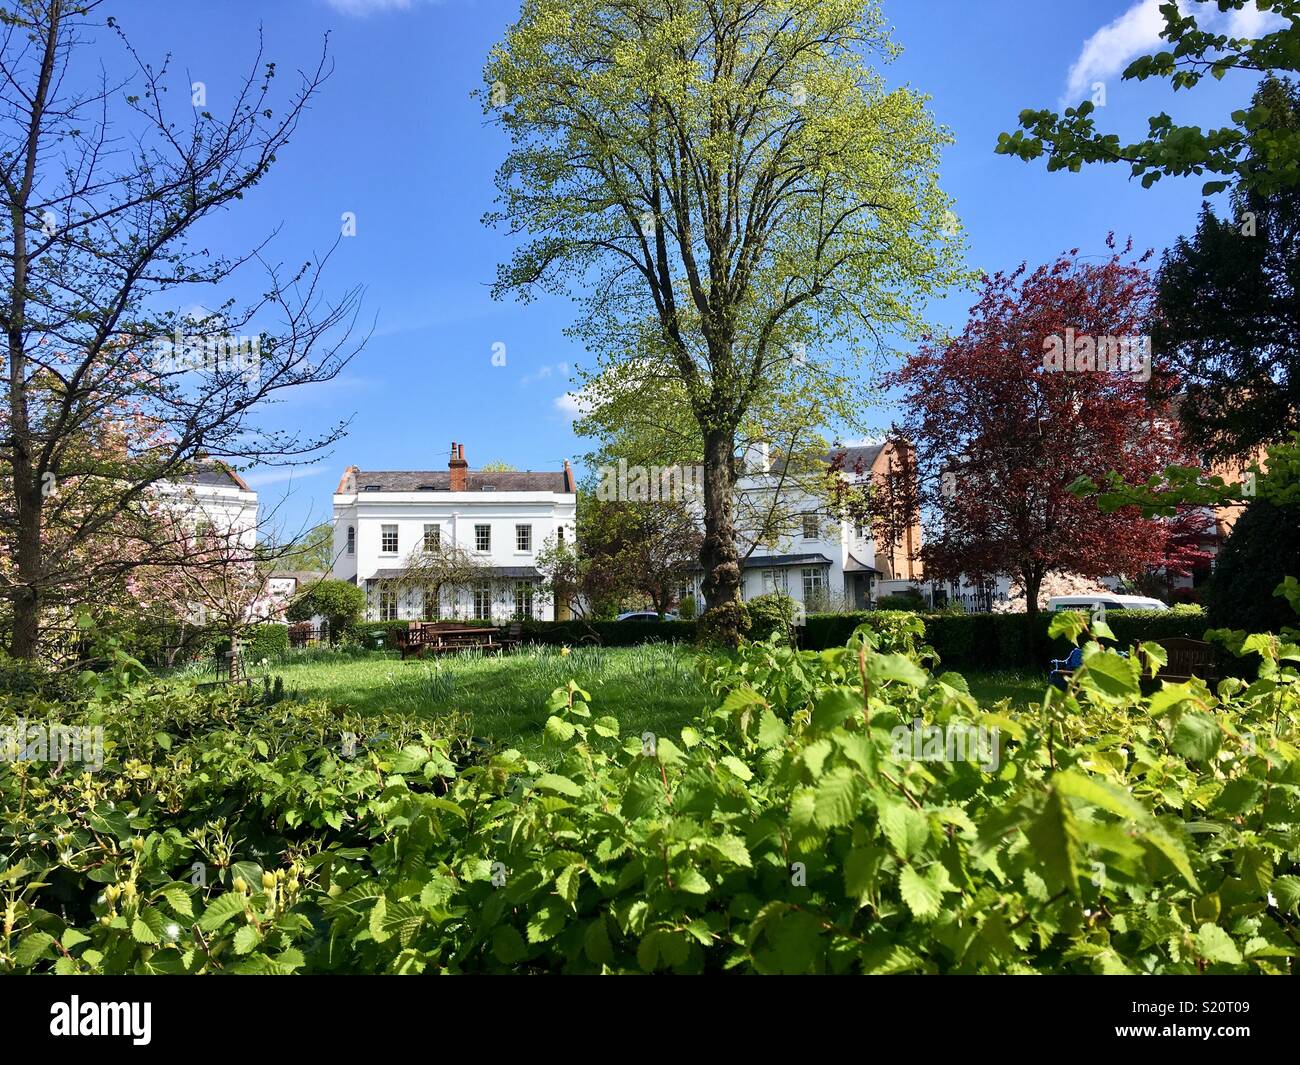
[[773, 561], [856, 459], [488, 571], [476, 481], [856, 565], [216, 474]]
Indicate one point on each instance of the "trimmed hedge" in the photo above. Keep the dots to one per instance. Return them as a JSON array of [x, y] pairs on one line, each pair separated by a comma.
[[608, 633], [269, 641], [555, 633], [1004, 641]]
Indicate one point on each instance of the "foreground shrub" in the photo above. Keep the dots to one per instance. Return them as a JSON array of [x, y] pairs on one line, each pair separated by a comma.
[[834, 811]]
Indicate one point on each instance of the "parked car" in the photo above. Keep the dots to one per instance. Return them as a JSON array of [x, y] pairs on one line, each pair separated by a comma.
[[1108, 600], [645, 615]]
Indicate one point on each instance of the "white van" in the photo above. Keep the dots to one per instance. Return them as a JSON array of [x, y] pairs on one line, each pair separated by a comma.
[[1107, 600]]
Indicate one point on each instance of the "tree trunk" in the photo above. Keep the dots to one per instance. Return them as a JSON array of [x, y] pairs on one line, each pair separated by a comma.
[[718, 554]]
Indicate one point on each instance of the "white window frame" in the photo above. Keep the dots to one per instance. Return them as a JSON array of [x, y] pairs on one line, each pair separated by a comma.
[[523, 601], [814, 581], [524, 539], [388, 602], [810, 517], [483, 538], [482, 596], [775, 580], [384, 549], [352, 539], [436, 530]]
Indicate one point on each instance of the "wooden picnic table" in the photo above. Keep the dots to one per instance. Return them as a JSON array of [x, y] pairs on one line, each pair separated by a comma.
[[438, 636]]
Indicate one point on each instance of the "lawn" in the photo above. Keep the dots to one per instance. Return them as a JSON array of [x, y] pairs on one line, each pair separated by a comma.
[[652, 688], [1020, 687]]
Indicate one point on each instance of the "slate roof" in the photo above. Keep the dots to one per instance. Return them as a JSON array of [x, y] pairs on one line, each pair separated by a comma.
[[475, 480], [774, 561]]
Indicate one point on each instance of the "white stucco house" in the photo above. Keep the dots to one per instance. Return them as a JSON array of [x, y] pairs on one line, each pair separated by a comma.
[[822, 561], [215, 499], [502, 517]]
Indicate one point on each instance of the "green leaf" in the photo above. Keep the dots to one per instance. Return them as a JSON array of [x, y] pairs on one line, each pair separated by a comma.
[[836, 799], [558, 730], [508, 945], [1196, 736], [32, 948], [558, 784], [771, 731], [737, 767], [246, 939], [1214, 945], [835, 706], [907, 829], [221, 910], [922, 894], [1055, 841], [898, 668]]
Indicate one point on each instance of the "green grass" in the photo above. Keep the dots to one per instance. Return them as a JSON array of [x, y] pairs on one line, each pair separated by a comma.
[[653, 688], [1020, 687]]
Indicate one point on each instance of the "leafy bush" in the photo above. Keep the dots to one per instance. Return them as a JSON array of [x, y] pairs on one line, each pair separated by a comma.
[[1007, 641], [818, 817], [1263, 549], [340, 603], [269, 641], [771, 615], [686, 609]]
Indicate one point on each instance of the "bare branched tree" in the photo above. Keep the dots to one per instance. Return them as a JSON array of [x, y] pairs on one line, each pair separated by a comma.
[[103, 187]]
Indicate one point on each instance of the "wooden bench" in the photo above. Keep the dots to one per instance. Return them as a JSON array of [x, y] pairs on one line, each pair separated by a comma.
[[1188, 658]]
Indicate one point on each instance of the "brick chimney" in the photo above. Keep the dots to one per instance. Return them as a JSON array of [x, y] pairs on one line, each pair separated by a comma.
[[569, 485], [459, 468]]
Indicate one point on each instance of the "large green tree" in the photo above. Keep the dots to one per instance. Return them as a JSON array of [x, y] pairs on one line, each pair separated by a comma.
[[747, 210], [1229, 302], [1195, 51]]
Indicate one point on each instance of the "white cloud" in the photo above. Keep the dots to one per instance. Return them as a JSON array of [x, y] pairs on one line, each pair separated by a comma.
[[1137, 32], [560, 369], [277, 476], [573, 405], [1113, 47], [368, 7]]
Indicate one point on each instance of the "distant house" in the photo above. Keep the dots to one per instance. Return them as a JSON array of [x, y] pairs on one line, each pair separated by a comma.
[[213, 498], [820, 559], [500, 519], [280, 589]]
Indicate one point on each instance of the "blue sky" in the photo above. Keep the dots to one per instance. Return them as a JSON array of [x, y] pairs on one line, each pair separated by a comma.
[[395, 137]]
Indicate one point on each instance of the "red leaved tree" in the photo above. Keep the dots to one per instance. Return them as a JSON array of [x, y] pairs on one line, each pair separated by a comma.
[[1048, 381]]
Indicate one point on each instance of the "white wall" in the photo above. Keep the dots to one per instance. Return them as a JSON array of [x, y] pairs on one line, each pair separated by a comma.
[[456, 514]]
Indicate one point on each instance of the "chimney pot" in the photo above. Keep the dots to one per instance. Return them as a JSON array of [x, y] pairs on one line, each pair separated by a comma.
[[458, 480]]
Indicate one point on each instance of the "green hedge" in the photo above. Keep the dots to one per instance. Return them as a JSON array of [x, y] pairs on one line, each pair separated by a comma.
[[1004, 641], [269, 641], [608, 633], [555, 633]]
